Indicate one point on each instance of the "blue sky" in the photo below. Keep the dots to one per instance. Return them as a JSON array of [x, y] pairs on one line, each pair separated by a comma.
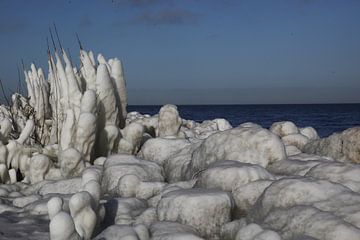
[[200, 51]]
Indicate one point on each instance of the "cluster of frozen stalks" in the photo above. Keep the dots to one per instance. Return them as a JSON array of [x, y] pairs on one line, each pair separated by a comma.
[[75, 165]]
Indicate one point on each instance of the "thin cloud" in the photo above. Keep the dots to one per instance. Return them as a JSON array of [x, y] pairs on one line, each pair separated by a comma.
[[167, 17]]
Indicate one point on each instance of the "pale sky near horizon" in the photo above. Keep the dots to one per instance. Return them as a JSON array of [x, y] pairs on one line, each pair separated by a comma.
[[200, 51]]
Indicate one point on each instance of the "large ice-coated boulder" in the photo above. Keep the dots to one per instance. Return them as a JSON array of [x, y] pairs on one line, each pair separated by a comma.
[[288, 192], [205, 210], [297, 165], [347, 174], [341, 146], [227, 175], [327, 207], [123, 210], [245, 196], [66, 186], [124, 232], [309, 223], [173, 231], [256, 232], [254, 145], [160, 149], [119, 165], [176, 166]]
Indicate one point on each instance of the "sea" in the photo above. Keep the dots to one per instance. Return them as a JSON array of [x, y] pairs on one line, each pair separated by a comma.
[[325, 118]]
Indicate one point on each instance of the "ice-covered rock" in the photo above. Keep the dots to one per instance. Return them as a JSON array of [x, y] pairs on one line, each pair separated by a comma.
[[292, 150], [346, 174], [284, 128], [39, 166], [66, 186], [160, 149], [298, 140], [131, 138], [229, 230], [245, 196], [124, 232], [228, 175], [119, 165], [169, 121], [123, 210], [62, 227], [205, 210], [245, 144], [341, 146], [132, 186], [165, 230], [307, 222], [82, 214], [71, 163], [296, 207], [309, 132], [256, 232]]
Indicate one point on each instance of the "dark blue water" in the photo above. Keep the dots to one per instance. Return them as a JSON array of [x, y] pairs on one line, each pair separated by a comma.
[[325, 118]]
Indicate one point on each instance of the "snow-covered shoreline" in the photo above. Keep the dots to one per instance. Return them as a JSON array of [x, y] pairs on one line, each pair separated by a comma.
[[75, 165]]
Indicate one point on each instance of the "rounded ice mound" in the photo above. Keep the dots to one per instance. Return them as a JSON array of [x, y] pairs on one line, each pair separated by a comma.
[[256, 232], [245, 144], [71, 162], [309, 132], [343, 146], [227, 175], [308, 223], [169, 121], [298, 140], [173, 231], [284, 128], [124, 232], [159, 149], [119, 165], [39, 166], [346, 174], [205, 210], [325, 195], [62, 227]]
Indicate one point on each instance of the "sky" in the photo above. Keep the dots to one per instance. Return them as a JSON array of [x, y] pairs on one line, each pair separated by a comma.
[[199, 51]]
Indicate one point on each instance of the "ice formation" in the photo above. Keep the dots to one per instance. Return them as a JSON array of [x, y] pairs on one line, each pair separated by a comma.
[[75, 165]]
